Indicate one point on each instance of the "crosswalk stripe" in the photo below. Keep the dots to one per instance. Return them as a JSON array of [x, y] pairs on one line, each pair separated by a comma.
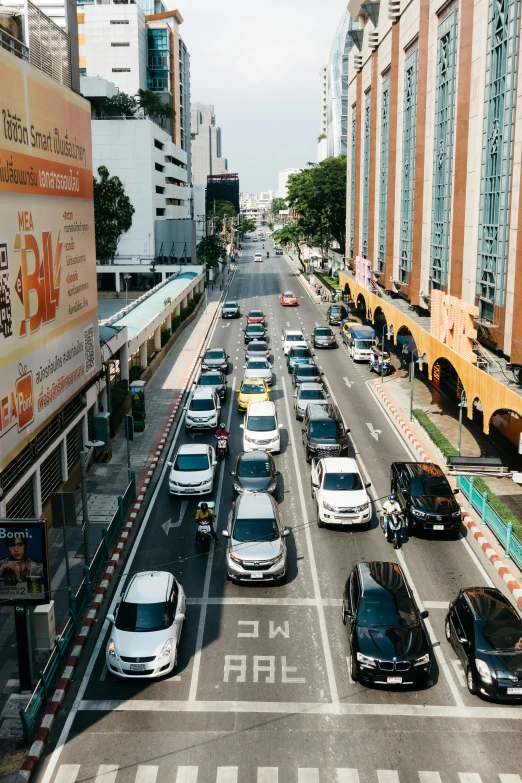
[[429, 777], [146, 774], [267, 774], [387, 776], [227, 775], [347, 775], [67, 773], [510, 779], [308, 775], [107, 773], [470, 777], [187, 775]]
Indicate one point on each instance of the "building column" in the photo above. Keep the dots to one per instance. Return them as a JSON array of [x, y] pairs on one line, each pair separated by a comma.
[[124, 362], [157, 338], [37, 493], [376, 87], [118, 282], [143, 354], [63, 458], [176, 310], [163, 276]]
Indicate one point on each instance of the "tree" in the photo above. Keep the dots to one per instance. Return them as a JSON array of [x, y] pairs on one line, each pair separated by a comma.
[[290, 235], [222, 209], [247, 225], [121, 104], [210, 249], [113, 213], [152, 106], [277, 204]]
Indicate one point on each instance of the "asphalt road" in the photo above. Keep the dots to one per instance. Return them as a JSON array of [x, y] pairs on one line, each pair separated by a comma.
[[262, 692]]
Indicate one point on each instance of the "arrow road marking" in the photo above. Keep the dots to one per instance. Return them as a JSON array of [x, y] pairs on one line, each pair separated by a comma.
[[348, 383], [169, 524], [374, 433], [225, 326]]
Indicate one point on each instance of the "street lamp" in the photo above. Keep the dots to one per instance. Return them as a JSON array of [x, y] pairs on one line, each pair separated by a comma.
[[127, 280], [387, 334], [413, 362], [90, 444], [462, 404]]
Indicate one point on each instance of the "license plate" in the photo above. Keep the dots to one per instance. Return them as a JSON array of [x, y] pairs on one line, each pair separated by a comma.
[[438, 527], [394, 680], [514, 691], [137, 667], [256, 576]]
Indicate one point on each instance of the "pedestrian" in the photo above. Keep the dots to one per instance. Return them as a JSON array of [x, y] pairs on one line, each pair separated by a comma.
[[405, 356]]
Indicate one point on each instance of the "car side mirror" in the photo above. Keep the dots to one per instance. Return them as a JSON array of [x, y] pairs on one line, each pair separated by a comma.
[[285, 532], [185, 407], [278, 473], [179, 617], [170, 464], [346, 432], [315, 484], [232, 472], [456, 491], [244, 368], [279, 426], [237, 391], [424, 614], [368, 485], [225, 533], [303, 430], [110, 618], [241, 426]]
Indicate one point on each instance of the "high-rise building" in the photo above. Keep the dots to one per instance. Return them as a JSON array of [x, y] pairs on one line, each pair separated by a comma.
[[322, 147], [223, 187], [282, 181], [206, 143], [332, 139]]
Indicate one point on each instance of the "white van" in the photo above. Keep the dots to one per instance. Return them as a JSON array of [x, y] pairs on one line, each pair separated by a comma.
[[203, 409], [261, 430]]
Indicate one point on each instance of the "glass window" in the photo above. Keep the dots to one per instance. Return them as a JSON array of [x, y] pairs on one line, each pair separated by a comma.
[[197, 404], [253, 468], [255, 530], [253, 388], [212, 379], [258, 365], [191, 462], [326, 428], [144, 617], [214, 355], [342, 482], [312, 394], [261, 423]]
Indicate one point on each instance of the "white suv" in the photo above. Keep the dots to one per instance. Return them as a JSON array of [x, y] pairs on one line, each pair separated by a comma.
[[340, 492], [292, 338], [203, 409], [261, 430]]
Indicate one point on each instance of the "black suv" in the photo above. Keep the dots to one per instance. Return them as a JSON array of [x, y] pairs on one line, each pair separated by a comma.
[[324, 434], [485, 632], [388, 642], [425, 496], [336, 313]]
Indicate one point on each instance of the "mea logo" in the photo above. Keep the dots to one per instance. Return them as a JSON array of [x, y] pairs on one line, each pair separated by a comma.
[[6, 315], [38, 281]]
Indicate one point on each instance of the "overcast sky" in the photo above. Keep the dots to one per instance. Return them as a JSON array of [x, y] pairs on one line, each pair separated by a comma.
[[258, 62]]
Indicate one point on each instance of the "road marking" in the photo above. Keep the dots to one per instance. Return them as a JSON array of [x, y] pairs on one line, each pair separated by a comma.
[[429, 777], [470, 777], [510, 779], [347, 775], [107, 773], [348, 383], [267, 774], [146, 774], [187, 775], [208, 574], [225, 326], [459, 672], [249, 601], [103, 675], [387, 776], [435, 604], [310, 775], [67, 773], [349, 670], [374, 433], [227, 775], [334, 695], [169, 524]]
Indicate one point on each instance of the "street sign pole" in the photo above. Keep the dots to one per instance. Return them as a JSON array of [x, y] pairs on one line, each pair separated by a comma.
[[25, 667], [85, 507]]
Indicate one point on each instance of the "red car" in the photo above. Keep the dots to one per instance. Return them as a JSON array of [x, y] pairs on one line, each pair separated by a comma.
[[255, 317], [289, 299]]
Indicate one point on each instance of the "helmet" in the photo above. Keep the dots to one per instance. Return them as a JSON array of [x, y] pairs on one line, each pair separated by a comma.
[[204, 506], [222, 426], [392, 498]]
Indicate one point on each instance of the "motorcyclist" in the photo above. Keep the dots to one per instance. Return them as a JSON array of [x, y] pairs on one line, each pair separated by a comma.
[[389, 507], [222, 432], [204, 514], [268, 253]]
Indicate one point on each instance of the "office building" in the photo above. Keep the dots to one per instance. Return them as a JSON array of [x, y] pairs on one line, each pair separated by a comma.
[[206, 143], [433, 183], [322, 148], [332, 139], [223, 187], [282, 181]]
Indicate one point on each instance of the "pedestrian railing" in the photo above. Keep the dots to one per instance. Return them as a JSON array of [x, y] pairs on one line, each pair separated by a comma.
[[489, 517], [78, 601]]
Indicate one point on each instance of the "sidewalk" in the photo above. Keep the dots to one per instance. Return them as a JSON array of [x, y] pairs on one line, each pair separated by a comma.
[[104, 484]]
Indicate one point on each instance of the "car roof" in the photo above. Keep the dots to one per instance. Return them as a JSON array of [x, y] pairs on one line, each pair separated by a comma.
[[485, 601], [261, 408], [212, 372], [254, 506], [340, 465], [288, 292], [149, 587], [257, 342], [310, 386], [202, 391], [254, 326], [230, 304], [324, 412], [254, 456], [377, 575], [425, 469], [215, 349], [307, 366], [193, 448]]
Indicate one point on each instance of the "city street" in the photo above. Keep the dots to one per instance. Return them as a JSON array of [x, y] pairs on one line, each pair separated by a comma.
[[262, 691]]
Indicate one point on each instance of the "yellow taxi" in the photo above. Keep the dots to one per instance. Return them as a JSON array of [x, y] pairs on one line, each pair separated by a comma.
[[251, 390], [352, 320]]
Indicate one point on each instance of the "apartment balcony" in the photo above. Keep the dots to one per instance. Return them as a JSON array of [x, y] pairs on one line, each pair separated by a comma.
[[12, 45]]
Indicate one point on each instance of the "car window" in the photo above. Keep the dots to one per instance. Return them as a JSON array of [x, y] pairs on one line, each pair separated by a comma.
[[342, 481], [197, 404], [354, 592], [323, 332], [429, 487], [363, 345], [294, 338], [249, 468], [261, 423], [501, 632], [300, 352], [210, 380], [255, 530], [258, 365], [386, 608], [255, 314], [312, 394], [191, 462], [326, 428], [214, 354], [258, 348], [307, 372], [144, 617], [252, 388]]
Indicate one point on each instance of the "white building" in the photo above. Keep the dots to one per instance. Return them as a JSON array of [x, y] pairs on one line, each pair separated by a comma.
[[207, 158], [334, 94], [322, 146], [282, 181]]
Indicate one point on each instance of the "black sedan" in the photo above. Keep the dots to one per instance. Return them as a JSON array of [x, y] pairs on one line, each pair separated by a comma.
[[307, 373], [215, 380], [215, 359], [230, 310], [323, 337], [254, 332], [255, 471], [486, 633], [388, 642]]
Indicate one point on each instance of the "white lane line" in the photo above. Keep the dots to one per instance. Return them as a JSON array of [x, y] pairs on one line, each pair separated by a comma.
[[470, 777], [103, 675], [510, 779], [349, 670], [67, 773], [436, 604], [206, 587], [387, 776], [307, 775], [334, 695], [429, 777], [107, 773], [249, 601], [146, 773], [227, 775], [347, 775], [267, 774], [459, 672], [187, 775]]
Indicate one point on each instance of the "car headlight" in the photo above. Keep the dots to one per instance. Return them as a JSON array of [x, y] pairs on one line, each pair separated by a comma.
[[423, 660], [364, 507], [483, 670], [111, 649], [456, 513], [271, 487], [237, 488], [273, 440], [166, 650], [365, 660], [276, 559], [236, 559], [328, 507], [417, 513], [250, 440]]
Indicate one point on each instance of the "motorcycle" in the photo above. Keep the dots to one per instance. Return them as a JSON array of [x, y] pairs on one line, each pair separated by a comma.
[[204, 531], [268, 254], [394, 528], [222, 446]]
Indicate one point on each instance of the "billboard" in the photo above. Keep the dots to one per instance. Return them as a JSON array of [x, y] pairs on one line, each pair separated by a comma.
[[24, 566], [49, 346]]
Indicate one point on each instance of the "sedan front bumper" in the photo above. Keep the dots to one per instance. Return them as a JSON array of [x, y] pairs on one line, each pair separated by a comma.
[[151, 669], [338, 518], [376, 676], [203, 489]]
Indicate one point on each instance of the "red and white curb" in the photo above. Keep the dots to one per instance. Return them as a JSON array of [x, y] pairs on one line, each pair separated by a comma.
[[142, 484], [495, 559]]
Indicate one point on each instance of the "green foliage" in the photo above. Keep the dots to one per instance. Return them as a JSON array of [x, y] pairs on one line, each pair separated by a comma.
[[331, 281], [122, 105], [119, 393], [135, 373], [448, 450], [290, 235], [276, 205], [247, 225], [167, 300], [113, 213], [321, 137], [152, 106], [210, 249]]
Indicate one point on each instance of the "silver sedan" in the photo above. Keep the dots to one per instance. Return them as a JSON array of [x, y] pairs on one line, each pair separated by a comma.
[[259, 368], [257, 349], [307, 393]]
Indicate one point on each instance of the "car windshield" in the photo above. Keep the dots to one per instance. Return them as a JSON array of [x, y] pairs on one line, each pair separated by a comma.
[[387, 609], [257, 348], [255, 530], [326, 428], [307, 372], [261, 423], [294, 338], [323, 333], [255, 314], [312, 394], [363, 345], [301, 352], [288, 296], [144, 617], [210, 380], [253, 468], [501, 628], [206, 404], [430, 487], [342, 481], [191, 462], [253, 388], [255, 328], [257, 366], [230, 306], [215, 355]]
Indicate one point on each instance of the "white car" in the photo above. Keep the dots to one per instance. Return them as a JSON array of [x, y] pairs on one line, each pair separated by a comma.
[[340, 493], [258, 257], [259, 368], [307, 393], [261, 430], [292, 338], [192, 472], [146, 627], [203, 409]]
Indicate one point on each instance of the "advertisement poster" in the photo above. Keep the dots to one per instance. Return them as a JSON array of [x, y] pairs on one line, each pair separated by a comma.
[[49, 346], [24, 572]]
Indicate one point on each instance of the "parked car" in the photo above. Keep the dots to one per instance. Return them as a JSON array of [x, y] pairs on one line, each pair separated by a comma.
[[261, 428], [289, 299], [257, 349], [307, 373], [308, 394], [279, 251], [291, 338], [389, 644], [335, 314], [323, 337], [360, 341], [192, 471], [425, 496], [146, 626], [301, 354], [215, 359], [214, 380], [251, 390], [486, 633], [259, 368], [203, 409], [256, 548], [230, 310], [255, 317], [340, 492], [324, 434], [254, 332], [255, 471]]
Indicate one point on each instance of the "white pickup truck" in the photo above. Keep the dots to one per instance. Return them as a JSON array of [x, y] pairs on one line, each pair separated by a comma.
[[340, 493]]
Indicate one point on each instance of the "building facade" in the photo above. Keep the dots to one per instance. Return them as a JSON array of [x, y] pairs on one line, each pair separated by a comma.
[[334, 94], [206, 144], [282, 181], [433, 181], [322, 146]]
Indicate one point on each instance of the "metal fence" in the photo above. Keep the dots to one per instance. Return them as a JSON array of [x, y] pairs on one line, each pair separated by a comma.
[[489, 517], [78, 602]]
